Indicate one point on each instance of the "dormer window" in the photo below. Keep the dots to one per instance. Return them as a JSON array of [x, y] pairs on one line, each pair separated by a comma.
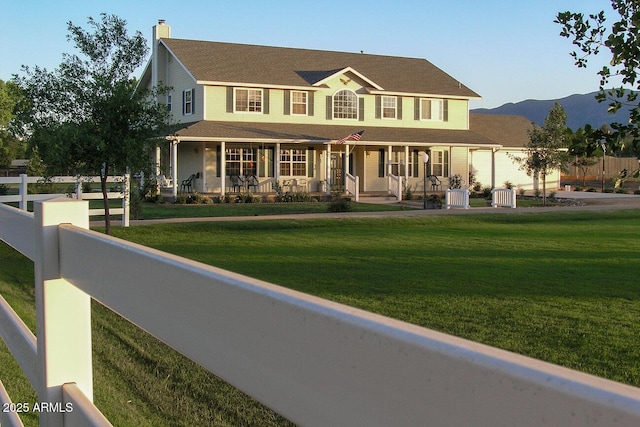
[[248, 100], [345, 105]]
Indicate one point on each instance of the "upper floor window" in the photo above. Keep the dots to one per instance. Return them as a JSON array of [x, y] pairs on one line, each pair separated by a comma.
[[431, 109], [299, 103], [187, 101], [345, 105], [389, 107], [248, 100], [169, 102]]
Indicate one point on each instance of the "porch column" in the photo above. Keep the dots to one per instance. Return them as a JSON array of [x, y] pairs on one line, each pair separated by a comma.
[[406, 163], [223, 168], [346, 161], [328, 169], [174, 168], [389, 156], [204, 166], [277, 160], [157, 161]]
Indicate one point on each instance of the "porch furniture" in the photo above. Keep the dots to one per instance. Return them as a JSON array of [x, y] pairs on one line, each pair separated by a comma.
[[436, 184], [163, 181], [251, 181], [187, 183], [301, 184], [287, 183], [236, 182]]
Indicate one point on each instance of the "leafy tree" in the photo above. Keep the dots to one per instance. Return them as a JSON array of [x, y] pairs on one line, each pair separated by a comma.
[[581, 149], [546, 149], [622, 39], [86, 116], [11, 148]]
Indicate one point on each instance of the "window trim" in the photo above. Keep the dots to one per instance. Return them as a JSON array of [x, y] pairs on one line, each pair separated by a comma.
[[356, 105], [440, 117], [394, 108], [248, 110], [293, 157], [187, 104], [292, 103]]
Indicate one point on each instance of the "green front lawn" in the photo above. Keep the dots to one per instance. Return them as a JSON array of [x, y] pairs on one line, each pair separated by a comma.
[[558, 286]]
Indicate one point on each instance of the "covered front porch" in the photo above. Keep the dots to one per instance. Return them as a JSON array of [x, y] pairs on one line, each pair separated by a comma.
[[388, 162]]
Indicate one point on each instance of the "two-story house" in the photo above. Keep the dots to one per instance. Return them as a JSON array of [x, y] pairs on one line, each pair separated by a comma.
[[281, 114]]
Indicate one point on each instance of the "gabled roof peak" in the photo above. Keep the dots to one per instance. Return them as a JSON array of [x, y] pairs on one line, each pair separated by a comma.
[[285, 66]]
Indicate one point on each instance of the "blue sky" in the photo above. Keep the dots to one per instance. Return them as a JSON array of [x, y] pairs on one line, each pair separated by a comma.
[[505, 50]]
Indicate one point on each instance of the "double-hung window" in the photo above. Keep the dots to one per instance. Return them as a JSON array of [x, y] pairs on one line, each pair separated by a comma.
[[293, 162], [248, 100], [345, 105], [241, 161], [389, 107], [187, 101], [439, 162], [432, 109], [299, 103]]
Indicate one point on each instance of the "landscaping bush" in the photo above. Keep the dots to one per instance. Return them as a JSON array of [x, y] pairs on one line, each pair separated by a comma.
[[339, 203]]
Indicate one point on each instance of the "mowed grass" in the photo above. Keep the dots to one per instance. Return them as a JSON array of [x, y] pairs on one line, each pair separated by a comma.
[[561, 287]]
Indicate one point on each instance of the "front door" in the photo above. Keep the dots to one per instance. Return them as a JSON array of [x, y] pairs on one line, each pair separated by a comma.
[[337, 166]]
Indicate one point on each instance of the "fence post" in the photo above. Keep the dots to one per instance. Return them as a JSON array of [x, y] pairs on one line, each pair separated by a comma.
[[23, 192], [63, 312], [125, 200]]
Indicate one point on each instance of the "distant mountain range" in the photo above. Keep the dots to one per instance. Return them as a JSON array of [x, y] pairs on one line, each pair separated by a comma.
[[580, 109]]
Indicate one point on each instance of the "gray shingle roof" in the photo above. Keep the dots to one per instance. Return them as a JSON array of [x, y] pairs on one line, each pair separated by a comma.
[[242, 131], [264, 65]]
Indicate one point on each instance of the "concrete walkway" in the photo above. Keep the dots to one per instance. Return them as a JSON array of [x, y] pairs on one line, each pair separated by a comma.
[[586, 202]]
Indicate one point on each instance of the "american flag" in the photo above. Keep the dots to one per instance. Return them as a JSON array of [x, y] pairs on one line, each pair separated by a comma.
[[355, 136]]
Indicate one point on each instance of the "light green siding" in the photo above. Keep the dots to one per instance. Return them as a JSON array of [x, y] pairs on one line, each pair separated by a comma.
[[217, 103]]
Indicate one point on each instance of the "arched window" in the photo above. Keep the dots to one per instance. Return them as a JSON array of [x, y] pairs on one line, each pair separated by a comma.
[[345, 105]]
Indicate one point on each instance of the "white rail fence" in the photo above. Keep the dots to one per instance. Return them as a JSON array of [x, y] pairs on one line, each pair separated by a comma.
[[23, 196], [316, 362], [503, 197], [457, 198], [353, 186], [395, 186]]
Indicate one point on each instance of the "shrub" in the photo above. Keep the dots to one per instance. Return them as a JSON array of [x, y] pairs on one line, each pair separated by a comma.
[[339, 203], [508, 185], [4, 190], [486, 192], [455, 181]]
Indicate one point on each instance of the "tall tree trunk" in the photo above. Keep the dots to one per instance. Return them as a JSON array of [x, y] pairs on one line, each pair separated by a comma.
[[105, 198], [544, 189]]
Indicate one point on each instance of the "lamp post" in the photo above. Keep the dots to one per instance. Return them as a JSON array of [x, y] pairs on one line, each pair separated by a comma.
[[425, 158]]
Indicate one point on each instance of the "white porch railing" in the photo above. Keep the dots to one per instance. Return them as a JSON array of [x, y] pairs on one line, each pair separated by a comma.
[[352, 186], [23, 196], [316, 362], [395, 186], [503, 197], [457, 198]]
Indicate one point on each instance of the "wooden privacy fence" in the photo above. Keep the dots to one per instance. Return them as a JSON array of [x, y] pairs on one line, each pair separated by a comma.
[[316, 362], [23, 196]]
